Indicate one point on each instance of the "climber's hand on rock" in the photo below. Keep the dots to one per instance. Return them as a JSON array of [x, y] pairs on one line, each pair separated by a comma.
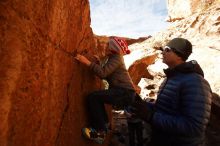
[[82, 59], [96, 59]]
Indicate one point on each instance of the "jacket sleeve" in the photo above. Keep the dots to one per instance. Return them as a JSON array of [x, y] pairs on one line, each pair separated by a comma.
[[112, 64], [195, 106]]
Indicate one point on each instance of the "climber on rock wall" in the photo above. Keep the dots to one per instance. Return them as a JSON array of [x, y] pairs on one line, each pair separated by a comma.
[[120, 93]]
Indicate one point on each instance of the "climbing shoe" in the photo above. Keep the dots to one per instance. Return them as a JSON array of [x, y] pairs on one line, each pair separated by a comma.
[[94, 135]]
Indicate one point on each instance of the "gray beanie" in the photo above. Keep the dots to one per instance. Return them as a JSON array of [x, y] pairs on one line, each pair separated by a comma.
[[182, 47]]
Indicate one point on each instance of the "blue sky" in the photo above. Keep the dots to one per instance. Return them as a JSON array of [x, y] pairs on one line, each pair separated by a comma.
[[128, 18]]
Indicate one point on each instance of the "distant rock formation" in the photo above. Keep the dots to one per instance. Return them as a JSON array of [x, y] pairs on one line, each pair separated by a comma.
[[131, 41], [178, 9], [139, 70]]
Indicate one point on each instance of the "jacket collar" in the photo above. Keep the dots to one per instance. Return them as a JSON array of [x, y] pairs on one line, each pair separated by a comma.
[[186, 67]]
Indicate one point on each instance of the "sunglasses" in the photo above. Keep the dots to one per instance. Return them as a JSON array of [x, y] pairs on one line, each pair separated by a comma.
[[166, 49]]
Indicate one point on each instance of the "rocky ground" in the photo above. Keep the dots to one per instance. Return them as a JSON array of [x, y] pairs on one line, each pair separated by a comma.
[[119, 132]]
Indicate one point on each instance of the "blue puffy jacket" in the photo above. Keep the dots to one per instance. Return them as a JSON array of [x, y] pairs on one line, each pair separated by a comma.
[[183, 107]]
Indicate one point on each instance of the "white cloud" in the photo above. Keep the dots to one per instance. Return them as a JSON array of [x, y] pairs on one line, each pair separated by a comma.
[[129, 18]]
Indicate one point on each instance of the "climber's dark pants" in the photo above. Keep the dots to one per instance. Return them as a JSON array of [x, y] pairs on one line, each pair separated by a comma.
[[114, 96]]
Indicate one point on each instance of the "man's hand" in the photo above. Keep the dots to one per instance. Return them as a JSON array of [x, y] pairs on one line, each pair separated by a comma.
[[142, 110], [82, 59]]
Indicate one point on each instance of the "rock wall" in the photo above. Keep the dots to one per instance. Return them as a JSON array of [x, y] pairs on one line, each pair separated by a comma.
[[139, 70], [42, 88]]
